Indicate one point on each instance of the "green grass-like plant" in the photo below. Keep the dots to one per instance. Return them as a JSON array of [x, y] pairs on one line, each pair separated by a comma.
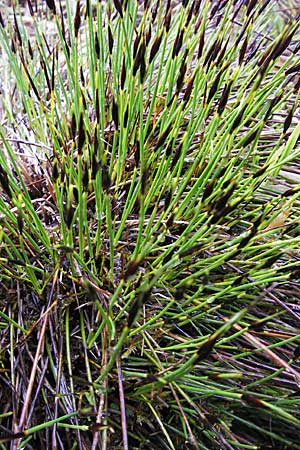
[[149, 226]]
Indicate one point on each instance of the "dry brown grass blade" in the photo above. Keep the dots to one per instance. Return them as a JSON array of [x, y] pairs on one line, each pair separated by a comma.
[[103, 396], [272, 356], [122, 404], [39, 351]]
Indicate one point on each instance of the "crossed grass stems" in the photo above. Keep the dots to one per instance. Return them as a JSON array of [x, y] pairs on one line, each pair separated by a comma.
[[149, 227]]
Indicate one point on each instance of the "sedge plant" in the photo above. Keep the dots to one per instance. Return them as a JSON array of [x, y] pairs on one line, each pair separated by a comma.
[[149, 226]]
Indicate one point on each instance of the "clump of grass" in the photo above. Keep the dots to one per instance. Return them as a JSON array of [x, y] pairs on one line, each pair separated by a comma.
[[149, 227]]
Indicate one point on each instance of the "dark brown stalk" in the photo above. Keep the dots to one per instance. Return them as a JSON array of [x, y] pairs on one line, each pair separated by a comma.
[[118, 7], [214, 87], [167, 21], [81, 134], [201, 44], [243, 50], [51, 5], [2, 23], [142, 70], [208, 190], [168, 198], [273, 103], [176, 156], [222, 53], [212, 53], [97, 45], [115, 113], [106, 181], [30, 79], [163, 136], [252, 401], [238, 119], [155, 47], [144, 178], [205, 349], [139, 61], [125, 117], [182, 72], [224, 97], [77, 19], [251, 7], [188, 89], [45, 70], [110, 40], [177, 43], [134, 311], [55, 171], [53, 71], [252, 136], [289, 118], [4, 182], [17, 30], [97, 106]]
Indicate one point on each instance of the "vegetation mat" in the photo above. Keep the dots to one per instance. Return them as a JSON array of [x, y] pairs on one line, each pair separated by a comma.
[[149, 225]]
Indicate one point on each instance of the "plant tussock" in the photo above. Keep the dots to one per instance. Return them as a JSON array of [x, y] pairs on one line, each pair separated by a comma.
[[149, 228]]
